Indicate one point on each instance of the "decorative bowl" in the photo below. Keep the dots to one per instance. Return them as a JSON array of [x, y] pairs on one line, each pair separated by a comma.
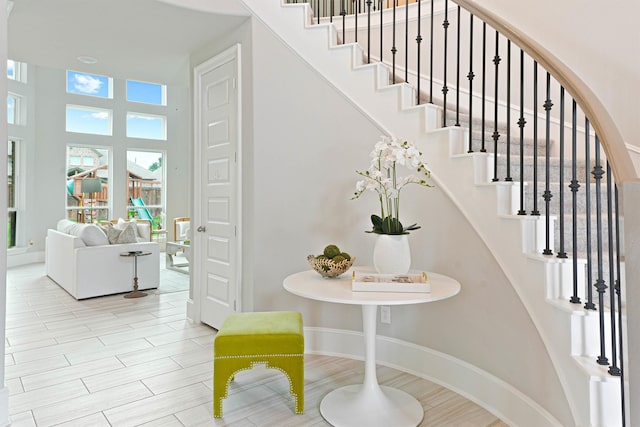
[[327, 268]]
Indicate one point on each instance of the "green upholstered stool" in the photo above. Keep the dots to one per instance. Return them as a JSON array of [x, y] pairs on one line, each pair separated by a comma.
[[274, 338]]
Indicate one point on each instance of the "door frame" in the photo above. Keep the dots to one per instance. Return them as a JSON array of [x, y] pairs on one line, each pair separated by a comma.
[[194, 303]]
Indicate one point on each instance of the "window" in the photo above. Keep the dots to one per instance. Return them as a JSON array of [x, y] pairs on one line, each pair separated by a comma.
[[147, 93], [12, 186], [11, 109], [89, 206], [96, 121], [146, 126], [89, 84], [16, 71], [145, 186]]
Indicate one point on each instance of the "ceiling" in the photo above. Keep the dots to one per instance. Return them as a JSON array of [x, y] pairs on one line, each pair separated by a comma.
[[147, 40]]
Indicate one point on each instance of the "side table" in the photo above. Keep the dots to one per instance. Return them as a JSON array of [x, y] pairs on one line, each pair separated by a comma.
[[368, 404], [135, 293]]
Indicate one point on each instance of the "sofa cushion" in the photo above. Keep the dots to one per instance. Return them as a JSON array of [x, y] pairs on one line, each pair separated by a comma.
[[91, 234], [121, 234]]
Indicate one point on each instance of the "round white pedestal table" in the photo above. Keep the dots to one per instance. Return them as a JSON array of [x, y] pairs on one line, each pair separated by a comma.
[[368, 404]]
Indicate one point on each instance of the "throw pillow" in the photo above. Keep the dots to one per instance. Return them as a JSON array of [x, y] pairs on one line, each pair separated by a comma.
[[92, 235], [122, 234]]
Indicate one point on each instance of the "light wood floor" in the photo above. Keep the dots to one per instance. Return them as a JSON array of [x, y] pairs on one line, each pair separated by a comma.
[[129, 362]]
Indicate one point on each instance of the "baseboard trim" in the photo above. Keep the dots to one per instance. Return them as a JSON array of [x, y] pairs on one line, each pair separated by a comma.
[[486, 390], [21, 256]]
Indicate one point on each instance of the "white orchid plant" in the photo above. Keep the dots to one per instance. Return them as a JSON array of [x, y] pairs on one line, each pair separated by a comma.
[[382, 177]]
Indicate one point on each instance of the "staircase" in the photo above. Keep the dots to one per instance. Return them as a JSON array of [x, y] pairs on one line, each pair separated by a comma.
[[492, 205]]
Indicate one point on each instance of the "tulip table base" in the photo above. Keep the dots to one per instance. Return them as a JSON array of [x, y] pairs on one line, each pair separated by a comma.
[[358, 406]]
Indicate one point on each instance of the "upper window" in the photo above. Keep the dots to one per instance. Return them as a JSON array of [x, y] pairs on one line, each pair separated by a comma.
[[147, 93], [89, 84], [16, 71], [146, 126], [14, 110], [97, 121]]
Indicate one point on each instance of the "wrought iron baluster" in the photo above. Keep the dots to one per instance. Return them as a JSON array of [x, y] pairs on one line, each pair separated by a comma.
[[419, 41], [589, 305], [521, 123], [496, 134], [369, 31], [393, 47], [561, 251], [431, 59], [470, 76], [613, 369], [343, 13], [484, 84], [600, 285], [445, 89], [406, 43], [535, 210], [547, 150], [381, 30], [355, 19], [458, 71], [508, 177], [574, 186]]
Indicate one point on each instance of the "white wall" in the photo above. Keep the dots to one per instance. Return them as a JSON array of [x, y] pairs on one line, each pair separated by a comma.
[[304, 142], [599, 41]]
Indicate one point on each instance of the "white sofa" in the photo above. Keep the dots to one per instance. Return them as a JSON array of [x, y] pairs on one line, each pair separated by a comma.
[[87, 271]]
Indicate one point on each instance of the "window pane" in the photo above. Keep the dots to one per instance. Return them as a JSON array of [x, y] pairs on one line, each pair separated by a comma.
[[148, 93], [11, 110], [88, 120], [11, 69], [146, 126], [11, 193], [89, 84], [145, 186], [88, 206]]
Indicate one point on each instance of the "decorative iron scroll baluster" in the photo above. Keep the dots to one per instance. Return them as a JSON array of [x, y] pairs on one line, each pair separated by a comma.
[[600, 285], [589, 305], [445, 89], [393, 47], [521, 123], [431, 59], [508, 177], [561, 251], [547, 191], [574, 186], [484, 83], [613, 369], [535, 210], [496, 134], [619, 298], [470, 76], [419, 41], [458, 71]]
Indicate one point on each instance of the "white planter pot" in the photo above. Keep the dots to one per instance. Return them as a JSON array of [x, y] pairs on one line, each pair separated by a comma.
[[391, 254]]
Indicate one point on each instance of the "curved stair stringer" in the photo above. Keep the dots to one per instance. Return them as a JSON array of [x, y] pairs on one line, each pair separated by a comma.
[[392, 107], [593, 395]]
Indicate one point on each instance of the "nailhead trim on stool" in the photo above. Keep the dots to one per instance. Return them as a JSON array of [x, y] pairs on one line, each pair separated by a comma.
[[274, 338]]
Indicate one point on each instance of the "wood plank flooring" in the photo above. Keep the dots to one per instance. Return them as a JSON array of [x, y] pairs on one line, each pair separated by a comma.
[[112, 361]]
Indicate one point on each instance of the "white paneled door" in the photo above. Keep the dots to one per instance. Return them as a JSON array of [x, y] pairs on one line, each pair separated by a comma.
[[217, 207]]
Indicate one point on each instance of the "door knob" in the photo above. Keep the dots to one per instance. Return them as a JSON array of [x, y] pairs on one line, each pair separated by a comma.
[[201, 229]]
